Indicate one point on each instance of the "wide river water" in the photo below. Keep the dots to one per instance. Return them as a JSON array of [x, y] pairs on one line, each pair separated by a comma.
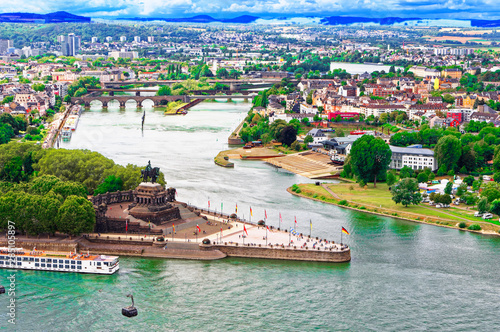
[[403, 275]]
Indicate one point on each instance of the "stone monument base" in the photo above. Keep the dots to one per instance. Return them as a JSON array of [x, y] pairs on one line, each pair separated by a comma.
[[150, 204]]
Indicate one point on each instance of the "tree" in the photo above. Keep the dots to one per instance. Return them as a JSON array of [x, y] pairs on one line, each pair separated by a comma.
[[483, 205], [76, 216], [6, 133], [469, 180], [462, 189], [406, 172], [69, 188], [383, 118], [445, 199], [13, 170], [406, 192], [447, 98], [470, 198], [39, 87], [308, 139], [110, 184], [448, 150], [422, 177], [309, 98], [495, 207], [8, 99], [448, 188], [222, 73], [491, 193], [370, 158], [288, 135], [164, 90], [391, 178]]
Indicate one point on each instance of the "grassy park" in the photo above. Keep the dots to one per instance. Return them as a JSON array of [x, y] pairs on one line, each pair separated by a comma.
[[379, 201]]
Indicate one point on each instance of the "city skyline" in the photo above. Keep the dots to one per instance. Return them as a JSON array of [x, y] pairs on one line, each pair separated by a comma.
[[451, 9]]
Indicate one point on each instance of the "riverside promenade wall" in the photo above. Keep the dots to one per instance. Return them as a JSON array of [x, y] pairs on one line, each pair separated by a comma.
[[311, 255], [43, 244]]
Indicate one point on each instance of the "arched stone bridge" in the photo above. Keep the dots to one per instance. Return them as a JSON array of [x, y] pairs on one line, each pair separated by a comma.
[[157, 100], [161, 100]]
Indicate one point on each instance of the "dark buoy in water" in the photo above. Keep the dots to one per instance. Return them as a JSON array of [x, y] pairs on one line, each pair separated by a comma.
[[130, 311], [2, 289]]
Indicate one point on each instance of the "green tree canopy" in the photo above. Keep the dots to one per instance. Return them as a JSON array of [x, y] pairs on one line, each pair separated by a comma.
[[495, 207], [370, 158], [164, 90], [38, 87], [406, 192], [76, 216], [448, 151], [483, 205], [391, 178], [111, 183]]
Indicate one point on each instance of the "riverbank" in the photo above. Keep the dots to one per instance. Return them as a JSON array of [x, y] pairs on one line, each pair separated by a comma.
[[216, 236], [378, 201]]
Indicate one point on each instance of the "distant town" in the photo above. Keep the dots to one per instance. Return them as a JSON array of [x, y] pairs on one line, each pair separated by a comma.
[[316, 93]]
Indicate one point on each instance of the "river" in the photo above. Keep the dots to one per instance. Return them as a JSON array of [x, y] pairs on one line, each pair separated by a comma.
[[403, 275]]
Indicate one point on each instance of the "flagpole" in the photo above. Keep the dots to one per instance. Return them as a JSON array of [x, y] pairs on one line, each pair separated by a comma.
[[341, 236], [310, 228], [266, 235]]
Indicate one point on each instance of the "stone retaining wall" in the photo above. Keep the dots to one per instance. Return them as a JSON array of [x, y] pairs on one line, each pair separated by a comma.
[[42, 245], [286, 254]]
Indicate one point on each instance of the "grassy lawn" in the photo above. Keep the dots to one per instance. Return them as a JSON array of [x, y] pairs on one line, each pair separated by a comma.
[[219, 159], [379, 200]]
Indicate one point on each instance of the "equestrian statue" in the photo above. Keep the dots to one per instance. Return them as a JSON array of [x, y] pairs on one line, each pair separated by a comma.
[[150, 172]]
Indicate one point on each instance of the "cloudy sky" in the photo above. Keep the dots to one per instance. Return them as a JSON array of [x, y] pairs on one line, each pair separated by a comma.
[[481, 9]]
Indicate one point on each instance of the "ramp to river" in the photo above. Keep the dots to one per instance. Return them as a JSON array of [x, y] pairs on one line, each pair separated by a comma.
[[313, 165]]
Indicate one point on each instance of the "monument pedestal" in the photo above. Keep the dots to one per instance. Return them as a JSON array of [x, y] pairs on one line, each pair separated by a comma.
[[150, 204]]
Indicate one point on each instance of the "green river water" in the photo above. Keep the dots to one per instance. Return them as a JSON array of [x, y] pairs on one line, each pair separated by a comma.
[[403, 275]]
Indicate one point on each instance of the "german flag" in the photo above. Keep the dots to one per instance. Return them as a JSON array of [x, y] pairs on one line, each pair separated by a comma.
[[345, 231]]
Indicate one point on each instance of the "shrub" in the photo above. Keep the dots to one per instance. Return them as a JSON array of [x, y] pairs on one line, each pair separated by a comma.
[[343, 202], [315, 196], [298, 191], [474, 227], [362, 208], [462, 225]]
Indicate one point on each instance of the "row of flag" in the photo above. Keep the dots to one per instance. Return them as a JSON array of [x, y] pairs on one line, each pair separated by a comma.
[[281, 219]]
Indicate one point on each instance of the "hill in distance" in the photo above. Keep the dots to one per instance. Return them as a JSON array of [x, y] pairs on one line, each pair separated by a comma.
[[56, 17]]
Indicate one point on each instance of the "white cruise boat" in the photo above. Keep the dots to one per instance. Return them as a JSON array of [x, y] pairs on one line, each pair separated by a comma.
[[72, 121], [66, 133], [19, 258]]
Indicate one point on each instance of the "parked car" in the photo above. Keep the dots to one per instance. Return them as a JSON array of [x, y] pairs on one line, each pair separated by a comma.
[[439, 205], [487, 216], [432, 203], [477, 214]]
